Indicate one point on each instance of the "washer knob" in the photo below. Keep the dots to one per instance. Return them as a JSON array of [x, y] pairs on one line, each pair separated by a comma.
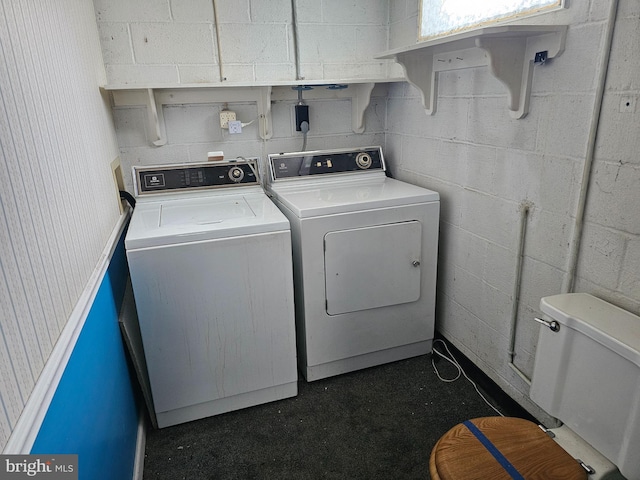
[[236, 174], [363, 160]]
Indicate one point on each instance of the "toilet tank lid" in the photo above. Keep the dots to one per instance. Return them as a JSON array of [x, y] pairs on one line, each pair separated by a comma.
[[605, 323]]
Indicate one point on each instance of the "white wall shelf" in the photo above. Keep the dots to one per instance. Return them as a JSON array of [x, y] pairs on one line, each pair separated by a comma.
[[508, 51], [154, 97]]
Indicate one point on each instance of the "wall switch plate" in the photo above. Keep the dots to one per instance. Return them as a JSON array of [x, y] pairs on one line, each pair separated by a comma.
[[235, 126], [226, 116]]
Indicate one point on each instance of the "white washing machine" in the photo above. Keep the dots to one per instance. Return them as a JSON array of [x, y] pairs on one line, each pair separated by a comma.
[[210, 262], [365, 256]]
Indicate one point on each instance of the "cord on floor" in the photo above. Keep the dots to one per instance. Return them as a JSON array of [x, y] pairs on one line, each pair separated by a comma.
[[461, 371]]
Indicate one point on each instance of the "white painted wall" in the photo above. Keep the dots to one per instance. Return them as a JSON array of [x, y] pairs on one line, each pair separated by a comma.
[[58, 203], [171, 42], [485, 165]]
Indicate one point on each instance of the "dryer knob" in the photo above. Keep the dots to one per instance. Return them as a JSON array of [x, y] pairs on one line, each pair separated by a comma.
[[363, 160], [236, 174]]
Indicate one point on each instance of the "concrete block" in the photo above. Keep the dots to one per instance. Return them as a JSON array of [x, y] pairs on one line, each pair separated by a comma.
[[274, 72], [489, 123], [234, 11], [116, 44], [142, 75], [328, 43], [328, 117], [490, 217], [127, 11], [498, 266], [618, 130], [309, 11], [624, 62], [241, 73], [131, 126], [192, 123], [565, 128], [273, 11], [166, 43], [354, 12], [548, 236], [465, 250], [311, 70], [614, 196], [192, 11], [457, 324], [337, 72], [254, 43], [548, 181], [629, 282], [601, 255], [195, 74], [627, 9], [539, 280], [493, 346]]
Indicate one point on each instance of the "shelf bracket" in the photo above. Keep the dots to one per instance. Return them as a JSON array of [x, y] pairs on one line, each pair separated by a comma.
[[264, 113], [509, 52], [418, 68], [156, 119], [359, 103]]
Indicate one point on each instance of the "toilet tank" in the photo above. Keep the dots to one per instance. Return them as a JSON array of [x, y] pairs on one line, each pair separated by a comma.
[[587, 374]]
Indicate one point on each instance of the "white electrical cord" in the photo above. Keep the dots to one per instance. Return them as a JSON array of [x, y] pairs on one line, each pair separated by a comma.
[[461, 371]]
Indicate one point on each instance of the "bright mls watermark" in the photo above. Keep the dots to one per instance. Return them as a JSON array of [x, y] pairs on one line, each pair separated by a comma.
[[49, 467]]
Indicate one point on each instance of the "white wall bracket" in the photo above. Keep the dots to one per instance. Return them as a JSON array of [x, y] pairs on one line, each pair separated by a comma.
[[156, 119], [508, 51], [155, 98]]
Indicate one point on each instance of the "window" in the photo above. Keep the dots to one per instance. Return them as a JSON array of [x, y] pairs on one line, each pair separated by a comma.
[[445, 17]]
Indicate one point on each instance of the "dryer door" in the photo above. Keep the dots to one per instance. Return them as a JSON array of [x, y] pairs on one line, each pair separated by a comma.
[[372, 267]]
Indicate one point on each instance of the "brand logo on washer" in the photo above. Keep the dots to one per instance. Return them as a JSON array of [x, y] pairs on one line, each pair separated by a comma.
[[154, 180]]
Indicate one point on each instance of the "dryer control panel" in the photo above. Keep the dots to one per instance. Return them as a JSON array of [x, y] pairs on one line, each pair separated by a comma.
[[194, 176], [324, 162]]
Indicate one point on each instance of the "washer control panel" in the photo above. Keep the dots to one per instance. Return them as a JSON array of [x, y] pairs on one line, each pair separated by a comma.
[[323, 162], [194, 176]]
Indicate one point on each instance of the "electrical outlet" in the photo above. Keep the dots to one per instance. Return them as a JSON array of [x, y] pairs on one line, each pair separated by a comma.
[[226, 116], [235, 126]]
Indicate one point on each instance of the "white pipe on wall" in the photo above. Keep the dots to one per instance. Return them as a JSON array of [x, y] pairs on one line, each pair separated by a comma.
[[296, 45], [574, 247], [217, 30], [525, 207]]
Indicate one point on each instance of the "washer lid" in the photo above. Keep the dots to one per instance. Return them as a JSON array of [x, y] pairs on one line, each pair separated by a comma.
[[328, 197], [202, 217]]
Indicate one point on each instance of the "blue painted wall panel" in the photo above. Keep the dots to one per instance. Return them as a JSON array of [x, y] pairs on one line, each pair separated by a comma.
[[93, 412]]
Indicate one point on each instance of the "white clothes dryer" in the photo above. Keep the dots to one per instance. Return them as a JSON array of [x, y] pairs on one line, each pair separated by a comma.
[[210, 262], [365, 256]]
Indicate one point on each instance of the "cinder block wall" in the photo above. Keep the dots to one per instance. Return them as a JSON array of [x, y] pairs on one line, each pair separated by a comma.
[[487, 165], [176, 42]]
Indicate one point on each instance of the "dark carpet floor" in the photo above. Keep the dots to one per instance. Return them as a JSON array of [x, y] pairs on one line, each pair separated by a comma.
[[378, 423]]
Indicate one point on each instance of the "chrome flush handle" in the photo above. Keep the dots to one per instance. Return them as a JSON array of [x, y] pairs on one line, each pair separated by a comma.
[[552, 324]]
